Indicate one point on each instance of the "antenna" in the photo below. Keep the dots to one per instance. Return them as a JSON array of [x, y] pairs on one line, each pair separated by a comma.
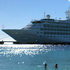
[[44, 14], [3, 26]]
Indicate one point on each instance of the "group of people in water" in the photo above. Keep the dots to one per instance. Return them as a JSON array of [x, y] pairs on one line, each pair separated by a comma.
[[55, 66]]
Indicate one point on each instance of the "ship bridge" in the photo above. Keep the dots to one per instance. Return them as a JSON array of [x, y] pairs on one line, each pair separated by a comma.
[[47, 19]]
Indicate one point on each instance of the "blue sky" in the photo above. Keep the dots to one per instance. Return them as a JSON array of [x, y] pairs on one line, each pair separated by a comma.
[[15, 14]]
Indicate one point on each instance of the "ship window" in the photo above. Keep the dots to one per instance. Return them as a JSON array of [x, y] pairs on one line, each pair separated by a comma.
[[50, 36], [41, 29], [57, 33], [47, 36], [43, 36], [64, 36], [45, 33], [55, 29], [58, 36], [40, 36]]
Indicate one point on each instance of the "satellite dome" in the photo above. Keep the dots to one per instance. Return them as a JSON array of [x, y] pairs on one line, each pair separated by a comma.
[[48, 16]]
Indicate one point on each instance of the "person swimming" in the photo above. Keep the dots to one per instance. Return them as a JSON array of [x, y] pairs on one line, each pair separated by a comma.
[[45, 65], [56, 66]]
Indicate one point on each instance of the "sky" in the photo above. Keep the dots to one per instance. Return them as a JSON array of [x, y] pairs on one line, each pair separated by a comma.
[[15, 14]]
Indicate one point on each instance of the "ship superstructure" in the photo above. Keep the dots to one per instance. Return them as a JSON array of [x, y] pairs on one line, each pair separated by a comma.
[[43, 31]]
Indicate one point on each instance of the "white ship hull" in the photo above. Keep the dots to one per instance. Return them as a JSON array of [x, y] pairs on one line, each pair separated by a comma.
[[26, 37]]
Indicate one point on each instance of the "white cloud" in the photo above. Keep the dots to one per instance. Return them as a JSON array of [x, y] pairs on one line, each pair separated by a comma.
[[68, 0]]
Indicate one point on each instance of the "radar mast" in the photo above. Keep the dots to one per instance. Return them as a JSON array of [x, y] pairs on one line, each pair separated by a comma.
[[68, 14]]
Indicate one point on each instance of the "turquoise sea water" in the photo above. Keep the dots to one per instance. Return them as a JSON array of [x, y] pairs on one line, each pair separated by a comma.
[[33, 57]]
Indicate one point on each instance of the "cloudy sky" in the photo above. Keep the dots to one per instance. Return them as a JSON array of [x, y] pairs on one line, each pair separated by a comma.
[[15, 14]]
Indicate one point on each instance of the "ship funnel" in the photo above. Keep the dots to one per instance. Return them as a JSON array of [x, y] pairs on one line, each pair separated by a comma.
[[48, 16], [68, 14]]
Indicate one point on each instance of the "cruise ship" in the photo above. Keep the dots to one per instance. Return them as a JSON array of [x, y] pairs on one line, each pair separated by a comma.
[[43, 31]]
